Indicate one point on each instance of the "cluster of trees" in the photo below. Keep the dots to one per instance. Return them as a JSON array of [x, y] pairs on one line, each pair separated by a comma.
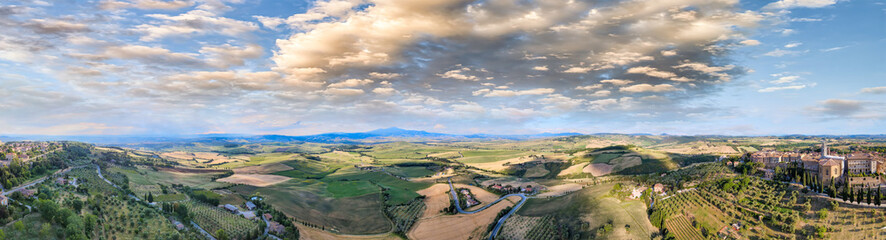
[[205, 196], [75, 225], [845, 191], [276, 216], [178, 210]]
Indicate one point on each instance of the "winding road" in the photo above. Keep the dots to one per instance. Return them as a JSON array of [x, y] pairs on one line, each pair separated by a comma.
[[502, 220]]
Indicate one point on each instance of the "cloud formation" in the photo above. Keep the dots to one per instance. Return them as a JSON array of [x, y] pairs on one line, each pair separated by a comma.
[[482, 64]]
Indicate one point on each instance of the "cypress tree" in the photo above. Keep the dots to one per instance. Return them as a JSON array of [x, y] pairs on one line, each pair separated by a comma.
[[877, 199], [870, 197]]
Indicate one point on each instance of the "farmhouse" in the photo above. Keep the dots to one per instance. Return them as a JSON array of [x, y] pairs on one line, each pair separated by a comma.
[[658, 188], [4, 200], [28, 193], [250, 206], [248, 214], [277, 228], [231, 208]]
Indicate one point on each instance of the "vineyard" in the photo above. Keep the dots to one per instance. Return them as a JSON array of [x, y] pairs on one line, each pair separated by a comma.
[[763, 209], [518, 226], [212, 219], [404, 216], [682, 229]]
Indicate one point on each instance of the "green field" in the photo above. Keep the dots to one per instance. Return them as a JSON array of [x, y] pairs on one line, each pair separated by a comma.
[[605, 157], [404, 150], [148, 177], [400, 191], [484, 156], [343, 189], [410, 172], [170, 197]]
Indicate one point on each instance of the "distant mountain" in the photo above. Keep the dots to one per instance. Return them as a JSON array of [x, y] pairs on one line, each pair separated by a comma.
[[381, 134]]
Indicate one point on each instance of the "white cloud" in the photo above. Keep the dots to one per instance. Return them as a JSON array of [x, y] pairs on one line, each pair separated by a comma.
[[649, 88], [834, 49], [784, 4], [652, 72], [601, 104], [750, 42], [350, 83], [578, 70], [145, 4], [601, 93], [668, 53], [385, 91], [540, 68], [773, 89], [780, 53], [785, 79], [617, 82], [459, 74], [195, 22], [874, 90], [378, 75], [589, 87], [511, 93], [793, 45]]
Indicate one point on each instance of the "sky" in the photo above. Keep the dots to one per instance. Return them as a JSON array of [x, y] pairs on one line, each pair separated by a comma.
[[684, 67]]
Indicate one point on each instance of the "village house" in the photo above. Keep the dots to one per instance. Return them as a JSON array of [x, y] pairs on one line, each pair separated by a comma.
[[231, 208], [178, 225], [4, 200], [250, 206], [276, 228], [248, 214], [61, 181], [28, 193], [658, 188]]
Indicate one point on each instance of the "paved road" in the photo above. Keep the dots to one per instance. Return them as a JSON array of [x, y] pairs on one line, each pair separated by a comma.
[[32, 183], [99, 170], [203, 231], [502, 220]]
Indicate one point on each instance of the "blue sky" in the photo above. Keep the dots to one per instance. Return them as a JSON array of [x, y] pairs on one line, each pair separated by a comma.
[[497, 66]]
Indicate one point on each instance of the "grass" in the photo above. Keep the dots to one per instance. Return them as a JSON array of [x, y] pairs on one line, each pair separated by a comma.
[[309, 169], [343, 189], [400, 191], [410, 172], [349, 215], [485, 156], [170, 197], [594, 207], [146, 177], [605, 157], [404, 150]]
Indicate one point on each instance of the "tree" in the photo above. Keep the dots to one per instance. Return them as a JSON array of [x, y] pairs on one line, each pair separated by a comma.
[[221, 235], [45, 230], [89, 223], [19, 226], [822, 214], [870, 196], [877, 198], [77, 204], [150, 197]]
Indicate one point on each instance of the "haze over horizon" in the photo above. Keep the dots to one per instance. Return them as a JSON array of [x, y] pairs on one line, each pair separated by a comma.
[[687, 67]]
